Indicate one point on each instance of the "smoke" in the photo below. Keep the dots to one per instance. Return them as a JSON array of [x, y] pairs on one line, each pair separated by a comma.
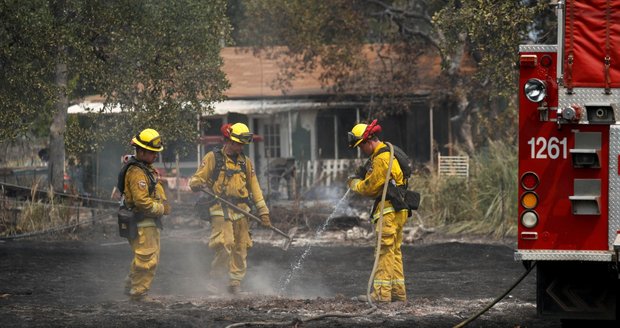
[[185, 264], [265, 279], [107, 166]]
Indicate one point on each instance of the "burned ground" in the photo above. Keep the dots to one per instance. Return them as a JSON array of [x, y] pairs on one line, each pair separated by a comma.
[[79, 283]]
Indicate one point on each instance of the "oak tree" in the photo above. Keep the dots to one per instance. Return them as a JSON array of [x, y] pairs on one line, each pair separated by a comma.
[[157, 60], [380, 49]]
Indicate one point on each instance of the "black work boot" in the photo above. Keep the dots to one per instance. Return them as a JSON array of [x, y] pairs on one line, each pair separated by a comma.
[[143, 298], [234, 289], [364, 298], [213, 288], [127, 287]]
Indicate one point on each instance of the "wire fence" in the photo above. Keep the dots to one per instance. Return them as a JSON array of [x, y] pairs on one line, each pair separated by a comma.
[[103, 217]]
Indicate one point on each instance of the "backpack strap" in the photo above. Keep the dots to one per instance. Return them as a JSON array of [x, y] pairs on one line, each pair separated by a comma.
[[120, 184], [401, 157], [220, 166]]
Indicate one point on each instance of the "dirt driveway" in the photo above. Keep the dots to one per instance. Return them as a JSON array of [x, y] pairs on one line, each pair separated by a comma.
[[79, 284]]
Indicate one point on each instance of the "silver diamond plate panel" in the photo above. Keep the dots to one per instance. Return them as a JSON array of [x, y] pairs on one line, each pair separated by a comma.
[[538, 48], [550, 255], [582, 96], [614, 183]]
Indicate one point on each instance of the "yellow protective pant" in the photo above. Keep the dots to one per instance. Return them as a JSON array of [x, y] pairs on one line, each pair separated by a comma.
[[145, 259], [230, 240], [389, 280]]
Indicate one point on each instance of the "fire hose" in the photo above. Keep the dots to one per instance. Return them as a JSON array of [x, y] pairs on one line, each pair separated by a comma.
[[379, 227], [296, 322], [370, 280], [499, 298]]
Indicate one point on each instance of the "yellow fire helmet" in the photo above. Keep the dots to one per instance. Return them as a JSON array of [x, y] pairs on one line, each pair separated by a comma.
[[361, 132], [240, 133], [148, 139]]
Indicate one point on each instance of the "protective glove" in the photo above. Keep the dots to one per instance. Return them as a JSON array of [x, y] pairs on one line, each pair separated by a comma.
[[353, 182], [352, 176], [360, 172], [166, 207], [265, 220]]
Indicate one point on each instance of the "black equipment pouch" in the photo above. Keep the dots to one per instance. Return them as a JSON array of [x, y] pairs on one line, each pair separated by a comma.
[[127, 223], [401, 198], [203, 204], [396, 195], [412, 199]]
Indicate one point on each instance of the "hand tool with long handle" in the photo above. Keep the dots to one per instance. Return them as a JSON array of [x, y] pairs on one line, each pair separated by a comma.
[[289, 236]]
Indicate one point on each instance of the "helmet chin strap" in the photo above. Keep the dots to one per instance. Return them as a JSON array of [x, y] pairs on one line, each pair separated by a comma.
[[228, 149]]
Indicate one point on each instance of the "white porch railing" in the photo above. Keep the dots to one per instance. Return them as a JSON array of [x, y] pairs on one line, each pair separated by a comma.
[[325, 172], [453, 166]]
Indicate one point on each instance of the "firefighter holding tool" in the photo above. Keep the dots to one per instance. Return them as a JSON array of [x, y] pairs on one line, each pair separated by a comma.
[[228, 174], [389, 281], [143, 204]]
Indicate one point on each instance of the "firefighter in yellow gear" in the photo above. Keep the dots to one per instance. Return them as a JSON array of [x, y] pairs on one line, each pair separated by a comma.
[[389, 279], [228, 173], [144, 195]]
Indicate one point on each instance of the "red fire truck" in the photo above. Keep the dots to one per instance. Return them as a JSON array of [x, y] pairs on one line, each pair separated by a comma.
[[569, 162]]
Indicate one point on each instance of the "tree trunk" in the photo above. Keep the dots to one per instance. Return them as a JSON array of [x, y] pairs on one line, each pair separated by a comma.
[[58, 127], [466, 136], [462, 121]]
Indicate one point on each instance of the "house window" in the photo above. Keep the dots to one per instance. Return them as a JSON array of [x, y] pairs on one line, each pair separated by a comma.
[[272, 140]]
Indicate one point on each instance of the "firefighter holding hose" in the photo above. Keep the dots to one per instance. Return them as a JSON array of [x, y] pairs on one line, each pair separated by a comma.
[[229, 174], [389, 280]]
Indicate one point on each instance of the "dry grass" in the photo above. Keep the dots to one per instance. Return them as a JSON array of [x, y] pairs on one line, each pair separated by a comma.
[[33, 215], [486, 203]]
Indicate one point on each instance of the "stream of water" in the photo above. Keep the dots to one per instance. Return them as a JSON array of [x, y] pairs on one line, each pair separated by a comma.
[[286, 280]]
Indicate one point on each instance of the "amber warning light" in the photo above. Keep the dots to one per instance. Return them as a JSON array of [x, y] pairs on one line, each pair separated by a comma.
[[529, 200], [528, 60]]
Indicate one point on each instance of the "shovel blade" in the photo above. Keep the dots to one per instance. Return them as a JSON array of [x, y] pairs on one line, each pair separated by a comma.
[[289, 239]]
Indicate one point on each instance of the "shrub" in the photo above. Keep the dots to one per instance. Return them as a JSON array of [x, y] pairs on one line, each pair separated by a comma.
[[484, 203]]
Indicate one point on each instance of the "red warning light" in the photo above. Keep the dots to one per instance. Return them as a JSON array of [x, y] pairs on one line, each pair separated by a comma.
[[529, 181], [546, 61]]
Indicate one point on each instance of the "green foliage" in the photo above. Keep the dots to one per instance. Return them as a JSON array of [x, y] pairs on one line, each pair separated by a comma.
[[477, 41], [157, 60], [486, 203], [316, 34], [165, 66], [492, 31], [79, 138], [25, 71]]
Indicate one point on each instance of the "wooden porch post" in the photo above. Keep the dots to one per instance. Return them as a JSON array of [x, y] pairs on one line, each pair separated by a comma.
[[336, 136], [430, 114]]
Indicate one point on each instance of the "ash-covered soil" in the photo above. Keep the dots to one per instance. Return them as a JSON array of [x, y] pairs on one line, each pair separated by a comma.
[[45, 283]]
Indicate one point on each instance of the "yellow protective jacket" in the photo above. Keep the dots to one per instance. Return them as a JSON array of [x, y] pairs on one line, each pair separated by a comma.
[[137, 195], [232, 184], [372, 184]]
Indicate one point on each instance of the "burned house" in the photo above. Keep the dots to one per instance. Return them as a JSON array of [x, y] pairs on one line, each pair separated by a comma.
[[301, 133]]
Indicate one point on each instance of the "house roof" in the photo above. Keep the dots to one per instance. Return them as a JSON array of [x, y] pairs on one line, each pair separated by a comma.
[[250, 77]]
